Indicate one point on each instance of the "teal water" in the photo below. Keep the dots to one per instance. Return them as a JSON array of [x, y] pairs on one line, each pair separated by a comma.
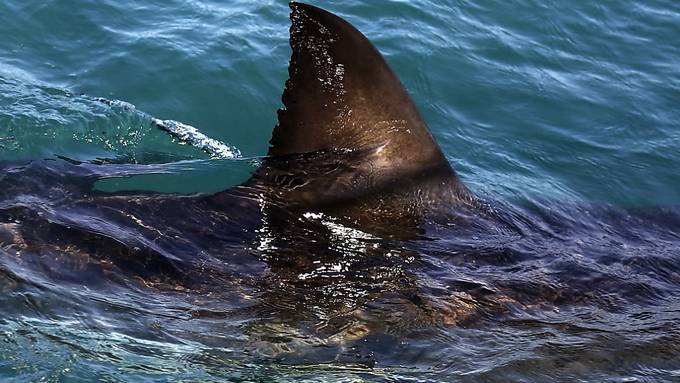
[[532, 102]]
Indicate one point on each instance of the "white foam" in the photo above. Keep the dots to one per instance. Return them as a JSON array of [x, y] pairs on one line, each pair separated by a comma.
[[191, 135], [185, 133]]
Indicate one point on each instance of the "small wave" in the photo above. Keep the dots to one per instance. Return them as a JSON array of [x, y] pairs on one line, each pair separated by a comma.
[[191, 135], [183, 132]]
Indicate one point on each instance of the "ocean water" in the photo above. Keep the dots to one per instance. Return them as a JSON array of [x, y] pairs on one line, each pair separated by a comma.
[[564, 114]]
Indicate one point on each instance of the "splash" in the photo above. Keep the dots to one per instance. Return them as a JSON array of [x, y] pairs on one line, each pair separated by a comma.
[[185, 133]]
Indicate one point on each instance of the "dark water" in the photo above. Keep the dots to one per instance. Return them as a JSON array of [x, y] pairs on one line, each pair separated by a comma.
[[563, 116]]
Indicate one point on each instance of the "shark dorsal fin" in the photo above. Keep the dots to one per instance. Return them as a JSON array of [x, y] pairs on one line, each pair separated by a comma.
[[349, 139], [342, 95]]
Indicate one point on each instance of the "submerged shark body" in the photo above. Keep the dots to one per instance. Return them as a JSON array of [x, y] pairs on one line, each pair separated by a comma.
[[321, 236], [351, 165]]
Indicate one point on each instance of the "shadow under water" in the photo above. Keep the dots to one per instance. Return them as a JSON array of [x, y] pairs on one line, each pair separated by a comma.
[[225, 281]]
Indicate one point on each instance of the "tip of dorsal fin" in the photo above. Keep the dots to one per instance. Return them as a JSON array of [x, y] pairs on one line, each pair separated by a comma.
[[342, 95]]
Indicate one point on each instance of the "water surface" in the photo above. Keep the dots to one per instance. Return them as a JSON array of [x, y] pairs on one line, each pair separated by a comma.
[[564, 116]]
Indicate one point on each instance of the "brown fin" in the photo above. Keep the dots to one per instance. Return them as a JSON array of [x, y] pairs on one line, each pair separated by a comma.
[[350, 140], [342, 95]]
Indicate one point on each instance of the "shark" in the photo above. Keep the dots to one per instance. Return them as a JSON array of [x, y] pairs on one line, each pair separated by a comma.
[[351, 165], [350, 145], [321, 240]]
